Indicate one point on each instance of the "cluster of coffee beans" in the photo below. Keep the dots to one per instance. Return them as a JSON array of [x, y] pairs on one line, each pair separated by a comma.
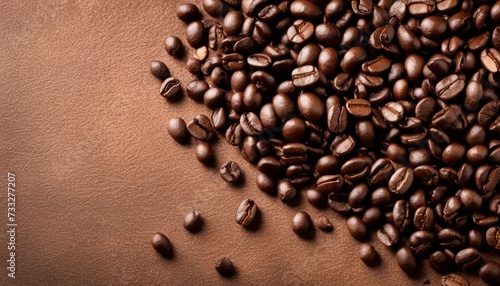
[[388, 112]]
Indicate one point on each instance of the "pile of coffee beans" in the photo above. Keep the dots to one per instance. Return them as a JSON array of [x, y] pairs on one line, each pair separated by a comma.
[[388, 112]]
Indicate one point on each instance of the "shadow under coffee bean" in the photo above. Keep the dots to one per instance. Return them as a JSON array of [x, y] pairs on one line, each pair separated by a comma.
[[387, 112]]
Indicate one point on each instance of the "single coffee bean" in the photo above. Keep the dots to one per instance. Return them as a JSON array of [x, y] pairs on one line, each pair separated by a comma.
[[450, 238], [259, 61], [401, 214], [378, 66], [327, 34], [176, 128], [393, 112], [323, 223], [252, 7], [204, 153], [304, 9], [329, 183], [490, 273], [246, 212], [294, 130], [401, 180], [305, 76], [234, 134], [252, 98], [230, 172], [358, 107], [372, 216], [219, 118], [337, 118], [475, 238], [315, 198], [468, 258], [353, 59], [493, 237], [286, 190], [311, 107], [441, 262], [424, 218], [368, 254], [250, 123], [381, 197], [269, 165], [406, 260], [450, 87], [357, 228], [214, 8], [162, 244], [159, 70], [300, 31], [193, 221], [225, 267], [454, 279], [380, 171], [196, 89], [173, 46], [490, 58], [266, 183], [302, 224], [356, 168], [187, 12], [201, 128], [170, 87], [421, 241]]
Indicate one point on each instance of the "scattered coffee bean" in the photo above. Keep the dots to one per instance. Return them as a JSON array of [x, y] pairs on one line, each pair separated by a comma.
[[170, 87], [454, 279], [176, 127], [302, 224], [323, 223], [490, 273], [204, 153], [162, 244], [368, 254], [246, 212], [225, 267], [193, 221], [406, 261], [230, 172], [159, 70], [201, 128], [173, 46]]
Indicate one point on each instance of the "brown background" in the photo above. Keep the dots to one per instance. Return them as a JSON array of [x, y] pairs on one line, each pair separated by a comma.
[[84, 128]]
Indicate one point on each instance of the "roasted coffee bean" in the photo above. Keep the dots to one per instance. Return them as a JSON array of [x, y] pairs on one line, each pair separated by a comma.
[[329, 183], [173, 46], [283, 106], [393, 112], [162, 244], [302, 224], [246, 212], [308, 55], [353, 59], [230, 172], [454, 279], [326, 165], [381, 197], [250, 123], [204, 153], [475, 238], [468, 258], [441, 262], [493, 237], [450, 238], [201, 128], [356, 168], [286, 190], [299, 174], [388, 234], [304, 9], [193, 221], [401, 180], [315, 198], [327, 34], [358, 196], [406, 260], [187, 12], [196, 89], [368, 254], [488, 112], [356, 227], [249, 150], [225, 267], [484, 220], [252, 98], [300, 31], [263, 80], [259, 61], [358, 107], [294, 153], [177, 129], [421, 241], [426, 175], [372, 216], [337, 118], [170, 88], [490, 58], [234, 134], [490, 272], [294, 130], [305, 76], [213, 97], [311, 107], [159, 70], [195, 34], [323, 223], [401, 216], [424, 218], [266, 183], [450, 87], [407, 40], [193, 65], [378, 66], [380, 171]]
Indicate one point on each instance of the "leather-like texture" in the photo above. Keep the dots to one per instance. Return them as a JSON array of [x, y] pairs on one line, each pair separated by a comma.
[[83, 127]]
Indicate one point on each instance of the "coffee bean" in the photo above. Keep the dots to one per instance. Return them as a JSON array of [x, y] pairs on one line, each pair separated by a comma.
[[266, 183], [269, 165], [368, 254], [252, 98], [493, 237], [162, 244], [311, 107], [490, 272], [204, 153], [468, 258], [356, 227], [358, 107], [353, 59], [305, 76], [193, 221], [196, 89], [234, 134], [173, 46], [304, 9], [424, 218], [441, 262], [250, 123], [170, 87], [187, 12], [406, 260], [176, 128], [225, 267], [401, 180], [450, 87], [200, 128], [454, 279], [230, 172], [315, 198], [329, 183], [214, 8], [294, 130], [286, 191], [356, 168], [159, 70], [302, 224], [337, 118], [252, 7], [401, 214], [300, 31], [392, 112], [323, 223]]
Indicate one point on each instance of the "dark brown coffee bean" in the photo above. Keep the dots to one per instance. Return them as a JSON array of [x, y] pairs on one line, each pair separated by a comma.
[[490, 58], [225, 267], [493, 237], [377, 66], [173, 46], [337, 118], [468, 258], [162, 244], [250, 123], [201, 128], [406, 260], [393, 112], [246, 212], [358, 107], [343, 145], [196, 89], [327, 34], [475, 238], [454, 279], [490, 272], [323, 223], [381, 197], [401, 216], [304, 9], [286, 190], [187, 12], [219, 118], [213, 97], [380, 171], [159, 70], [269, 165], [358, 196], [356, 227], [362, 7], [488, 112], [311, 107], [442, 262], [305, 76], [424, 218], [407, 40], [300, 31], [249, 150], [315, 198], [230, 172], [176, 128], [368, 254], [195, 34], [193, 221], [302, 224], [266, 183], [252, 7], [401, 180], [356, 168], [234, 134], [433, 27], [170, 88], [450, 238], [294, 130], [252, 98], [204, 153], [450, 87], [239, 81], [353, 59], [372, 216], [388, 234], [329, 183], [421, 241]]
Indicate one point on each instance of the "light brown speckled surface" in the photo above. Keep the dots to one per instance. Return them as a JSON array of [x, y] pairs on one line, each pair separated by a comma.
[[83, 127]]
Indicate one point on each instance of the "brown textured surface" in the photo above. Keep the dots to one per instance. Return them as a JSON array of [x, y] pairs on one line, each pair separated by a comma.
[[84, 128]]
